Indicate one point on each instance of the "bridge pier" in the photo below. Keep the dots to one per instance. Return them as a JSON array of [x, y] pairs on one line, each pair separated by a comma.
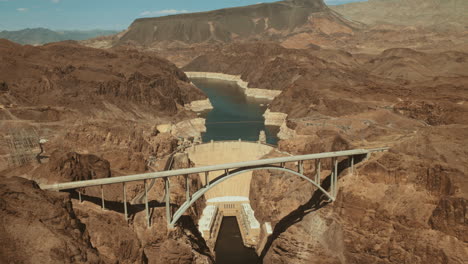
[[167, 188], [102, 198], [332, 181], [187, 188], [318, 165], [79, 197], [335, 191], [207, 181], [300, 165], [125, 202], [146, 204]]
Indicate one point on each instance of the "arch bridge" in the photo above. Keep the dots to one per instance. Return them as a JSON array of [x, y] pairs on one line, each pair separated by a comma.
[[230, 170]]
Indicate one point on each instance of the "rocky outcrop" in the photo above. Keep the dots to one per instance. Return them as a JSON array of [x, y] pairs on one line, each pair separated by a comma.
[[189, 128], [39, 226], [199, 106], [72, 166], [274, 118]]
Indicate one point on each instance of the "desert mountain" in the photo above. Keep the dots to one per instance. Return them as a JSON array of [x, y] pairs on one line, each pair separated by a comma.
[[367, 27], [76, 96], [261, 21], [439, 14], [37, 36]]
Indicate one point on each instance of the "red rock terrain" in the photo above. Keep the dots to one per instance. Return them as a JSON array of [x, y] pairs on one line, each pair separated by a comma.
[[345, 84], [404, 206], [40, 227], [98, 110], [106, 101]]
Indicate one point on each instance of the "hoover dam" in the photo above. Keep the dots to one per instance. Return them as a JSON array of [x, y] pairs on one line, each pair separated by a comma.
[[233, 130]]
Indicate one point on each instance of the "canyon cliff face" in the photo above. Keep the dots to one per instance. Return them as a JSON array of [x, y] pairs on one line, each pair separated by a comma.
[[83, 232], [40, 226]]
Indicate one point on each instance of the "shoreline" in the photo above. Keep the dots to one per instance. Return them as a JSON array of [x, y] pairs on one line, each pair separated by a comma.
[[250, 92]]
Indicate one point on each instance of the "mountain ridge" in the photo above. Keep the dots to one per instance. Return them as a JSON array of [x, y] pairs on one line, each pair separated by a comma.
[[265, 21], [40, 35]]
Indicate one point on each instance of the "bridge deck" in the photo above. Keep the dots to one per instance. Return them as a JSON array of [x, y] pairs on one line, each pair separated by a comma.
[[228, 166]]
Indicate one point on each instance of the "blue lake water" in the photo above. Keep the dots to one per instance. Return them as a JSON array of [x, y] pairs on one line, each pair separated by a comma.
[[234, 115]]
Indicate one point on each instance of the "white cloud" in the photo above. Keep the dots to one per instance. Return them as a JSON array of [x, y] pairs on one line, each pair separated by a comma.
[[163, 12], [22, 9]]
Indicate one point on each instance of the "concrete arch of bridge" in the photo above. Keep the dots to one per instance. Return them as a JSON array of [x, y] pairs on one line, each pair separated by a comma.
[[197, 195]]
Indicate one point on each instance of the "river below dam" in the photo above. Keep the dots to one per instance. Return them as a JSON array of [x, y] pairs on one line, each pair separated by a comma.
[[234, 115], [229, 247]]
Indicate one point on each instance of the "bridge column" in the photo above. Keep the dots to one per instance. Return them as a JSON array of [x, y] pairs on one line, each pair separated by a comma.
[[125, 201], [146, 205], [79, 196], [336, 177], [318, 168], [352, 165], [168, 201], [102, 198], [207, 180], [332, 179], [300, 165], [187, 188]]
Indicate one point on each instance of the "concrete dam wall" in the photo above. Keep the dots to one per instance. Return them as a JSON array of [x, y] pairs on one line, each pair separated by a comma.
[[227, 152], [231, 197]]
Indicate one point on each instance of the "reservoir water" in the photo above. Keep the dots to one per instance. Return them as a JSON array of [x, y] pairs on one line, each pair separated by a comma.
[[234, 115]]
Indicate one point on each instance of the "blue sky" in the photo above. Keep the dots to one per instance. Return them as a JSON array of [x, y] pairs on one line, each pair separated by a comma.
[[103, 14]]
